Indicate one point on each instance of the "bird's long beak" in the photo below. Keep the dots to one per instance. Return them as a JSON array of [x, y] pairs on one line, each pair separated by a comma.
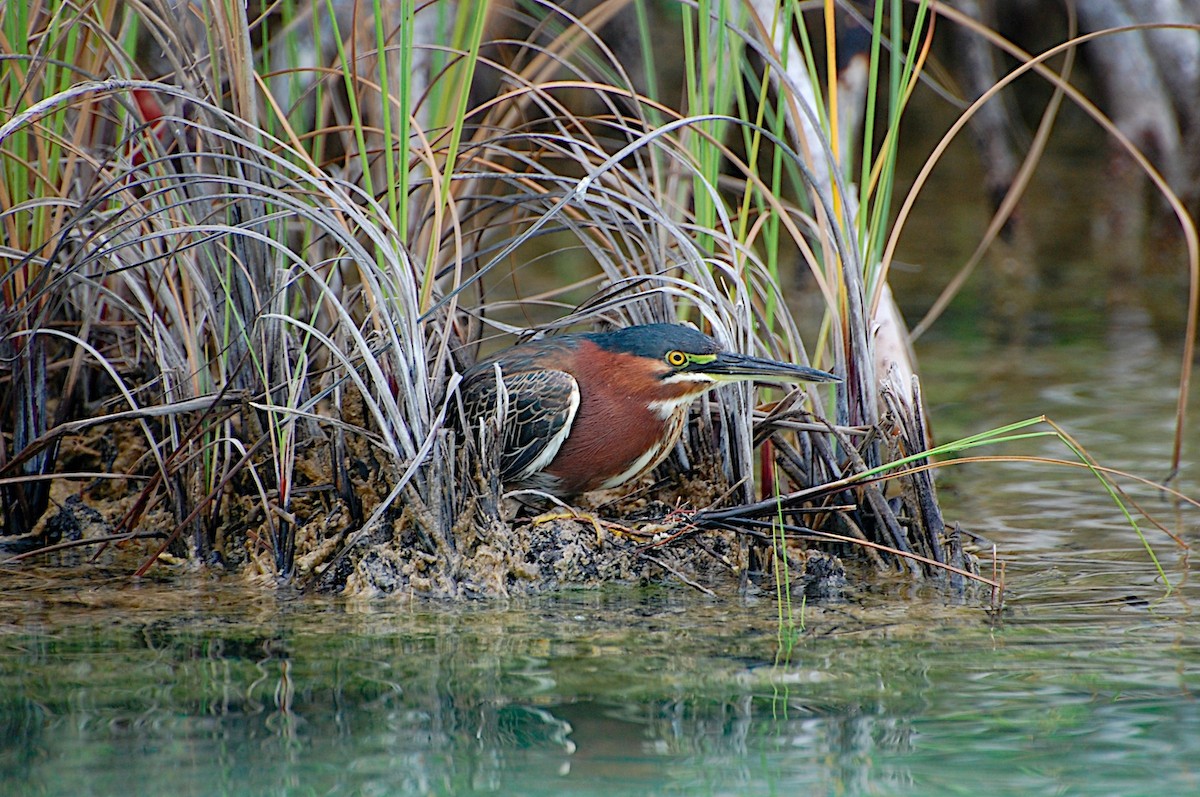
[[729, 366]]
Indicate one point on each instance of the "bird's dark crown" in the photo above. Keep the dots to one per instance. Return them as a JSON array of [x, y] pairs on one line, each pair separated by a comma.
[[655, 340]]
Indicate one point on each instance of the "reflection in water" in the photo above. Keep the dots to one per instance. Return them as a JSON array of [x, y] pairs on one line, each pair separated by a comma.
[[619, 692]]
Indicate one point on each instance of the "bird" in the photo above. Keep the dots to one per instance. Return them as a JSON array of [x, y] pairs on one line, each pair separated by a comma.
[[589, 411]]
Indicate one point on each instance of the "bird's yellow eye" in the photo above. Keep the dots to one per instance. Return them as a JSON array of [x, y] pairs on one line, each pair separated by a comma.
[[676, 358]]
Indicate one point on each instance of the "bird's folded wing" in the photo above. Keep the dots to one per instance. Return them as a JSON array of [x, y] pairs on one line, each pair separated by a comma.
[[541, 408]]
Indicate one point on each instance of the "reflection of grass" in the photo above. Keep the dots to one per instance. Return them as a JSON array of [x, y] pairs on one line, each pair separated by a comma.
[[678, 689], [790, 630]]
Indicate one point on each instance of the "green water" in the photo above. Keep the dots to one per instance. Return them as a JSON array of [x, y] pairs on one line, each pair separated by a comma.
[[600, 694], [1085, 684]]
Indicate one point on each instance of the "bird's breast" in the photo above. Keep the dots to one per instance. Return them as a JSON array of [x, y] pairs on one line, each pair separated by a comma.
[[618, 432]]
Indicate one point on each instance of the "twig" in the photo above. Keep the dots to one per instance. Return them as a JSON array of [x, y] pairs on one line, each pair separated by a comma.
[[63, 546], [678, 575]]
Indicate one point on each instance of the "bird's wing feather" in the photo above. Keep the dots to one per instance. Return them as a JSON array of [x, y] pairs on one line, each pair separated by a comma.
[[541, 408]]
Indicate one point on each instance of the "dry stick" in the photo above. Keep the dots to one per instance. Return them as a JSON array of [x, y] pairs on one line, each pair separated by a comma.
[[790, 461], [71, 427], [62, 546], [201, 505], [879, 505], [766, 433], [822, 447], [678, 575], [859, 535], [800, 530], [919, 482], [143, 500], [717, 518], [721, 558], [934, 524]]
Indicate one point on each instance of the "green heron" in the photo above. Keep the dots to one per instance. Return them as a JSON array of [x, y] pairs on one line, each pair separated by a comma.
[[592, 411]]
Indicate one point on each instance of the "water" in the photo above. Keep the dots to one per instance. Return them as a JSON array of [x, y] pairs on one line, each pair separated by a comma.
[[1085, 684], [603, 693]]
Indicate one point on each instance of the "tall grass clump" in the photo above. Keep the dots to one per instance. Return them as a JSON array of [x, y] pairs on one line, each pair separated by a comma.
[[46, 51], [250, 250], [218, 287]]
